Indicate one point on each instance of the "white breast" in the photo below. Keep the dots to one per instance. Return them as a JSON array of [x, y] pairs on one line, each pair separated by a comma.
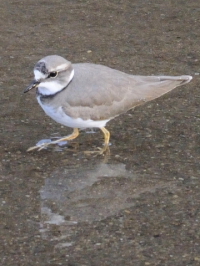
[[59, 116]]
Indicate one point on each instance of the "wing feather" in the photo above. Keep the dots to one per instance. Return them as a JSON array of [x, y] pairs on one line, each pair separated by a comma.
[[98, 92]]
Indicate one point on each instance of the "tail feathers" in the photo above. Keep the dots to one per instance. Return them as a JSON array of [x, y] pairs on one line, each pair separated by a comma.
[[154, 87], [180, 79]]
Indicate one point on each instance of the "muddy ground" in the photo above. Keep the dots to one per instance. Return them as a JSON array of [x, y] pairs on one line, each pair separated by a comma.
[[138, 207]]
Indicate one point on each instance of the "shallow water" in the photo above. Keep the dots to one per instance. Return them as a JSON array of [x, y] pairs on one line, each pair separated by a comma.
[[138, 206]]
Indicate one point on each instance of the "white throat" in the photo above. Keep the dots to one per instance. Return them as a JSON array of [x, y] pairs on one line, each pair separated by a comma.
[[52, 86]]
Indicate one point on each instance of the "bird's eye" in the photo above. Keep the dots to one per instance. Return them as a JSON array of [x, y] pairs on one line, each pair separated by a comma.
[[52, 74]]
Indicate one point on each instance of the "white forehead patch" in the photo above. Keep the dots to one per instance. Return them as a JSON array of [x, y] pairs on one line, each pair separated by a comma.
[[39, 75]]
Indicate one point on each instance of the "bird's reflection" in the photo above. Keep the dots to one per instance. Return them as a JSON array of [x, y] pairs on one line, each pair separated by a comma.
[[84, 194], [87, 193]]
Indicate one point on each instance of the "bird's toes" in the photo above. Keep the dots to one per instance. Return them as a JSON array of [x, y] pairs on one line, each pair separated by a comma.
[[99, 151], [32, 148], [39, 147]]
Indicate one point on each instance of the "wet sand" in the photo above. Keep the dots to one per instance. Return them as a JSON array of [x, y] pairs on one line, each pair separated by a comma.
[[140, 206]]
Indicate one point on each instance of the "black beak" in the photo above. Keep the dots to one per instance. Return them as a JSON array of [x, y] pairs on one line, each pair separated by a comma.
[[34, 84]]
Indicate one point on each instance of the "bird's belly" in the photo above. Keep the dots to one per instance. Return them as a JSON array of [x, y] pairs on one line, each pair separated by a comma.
[[59, 116]]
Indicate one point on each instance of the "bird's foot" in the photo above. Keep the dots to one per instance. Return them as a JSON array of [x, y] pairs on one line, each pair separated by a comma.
[[43, 145], [99, 151], [39, 147]]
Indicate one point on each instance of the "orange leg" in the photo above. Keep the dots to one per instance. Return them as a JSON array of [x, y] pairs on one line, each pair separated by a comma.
[[74, 135]]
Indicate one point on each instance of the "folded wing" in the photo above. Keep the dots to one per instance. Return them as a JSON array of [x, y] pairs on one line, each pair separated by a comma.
[[98, 92]]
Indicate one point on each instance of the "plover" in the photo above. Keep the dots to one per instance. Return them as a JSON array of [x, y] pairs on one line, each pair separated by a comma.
[[88, 95]]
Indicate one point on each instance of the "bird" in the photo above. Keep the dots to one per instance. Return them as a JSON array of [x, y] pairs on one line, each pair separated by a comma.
[[86, 95]]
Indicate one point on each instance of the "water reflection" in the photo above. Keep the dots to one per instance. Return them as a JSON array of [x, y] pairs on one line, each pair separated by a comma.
[[88, 193], [84, 194]]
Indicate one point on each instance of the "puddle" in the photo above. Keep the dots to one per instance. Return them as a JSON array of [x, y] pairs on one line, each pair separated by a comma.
[[76, 195], [87, 194]]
